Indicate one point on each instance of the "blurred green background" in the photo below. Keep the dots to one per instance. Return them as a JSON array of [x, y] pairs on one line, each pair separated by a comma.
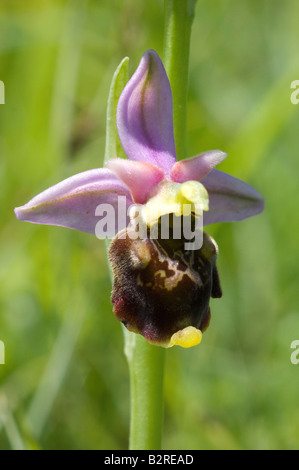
[[65, 381]]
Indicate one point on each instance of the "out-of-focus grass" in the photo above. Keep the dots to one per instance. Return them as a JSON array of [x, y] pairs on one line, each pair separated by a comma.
[[65, 381]]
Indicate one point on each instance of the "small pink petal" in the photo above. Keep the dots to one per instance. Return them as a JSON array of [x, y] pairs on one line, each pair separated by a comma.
[[196, 168], [72, 203], [140, 177]]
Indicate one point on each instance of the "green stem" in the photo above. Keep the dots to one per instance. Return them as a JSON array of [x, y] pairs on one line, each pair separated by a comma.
[[146, 362], [179, 15]]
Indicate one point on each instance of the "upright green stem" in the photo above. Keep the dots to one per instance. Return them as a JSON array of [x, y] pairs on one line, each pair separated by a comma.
[[179, 15], [146, 362]]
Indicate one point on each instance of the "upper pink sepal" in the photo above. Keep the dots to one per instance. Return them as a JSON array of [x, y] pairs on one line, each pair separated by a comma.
[[144, 115]]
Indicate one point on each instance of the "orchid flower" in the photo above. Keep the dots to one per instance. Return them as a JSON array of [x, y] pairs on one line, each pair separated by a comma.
[[160, 290]]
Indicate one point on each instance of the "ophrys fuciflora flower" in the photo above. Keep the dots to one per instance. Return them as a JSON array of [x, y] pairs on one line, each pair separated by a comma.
[[161, 289]]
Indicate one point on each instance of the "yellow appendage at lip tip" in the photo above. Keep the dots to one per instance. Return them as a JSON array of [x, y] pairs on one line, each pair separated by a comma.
[[186, 338]]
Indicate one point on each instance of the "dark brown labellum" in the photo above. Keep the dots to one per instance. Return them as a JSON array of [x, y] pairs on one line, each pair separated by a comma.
[[160, 288]]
